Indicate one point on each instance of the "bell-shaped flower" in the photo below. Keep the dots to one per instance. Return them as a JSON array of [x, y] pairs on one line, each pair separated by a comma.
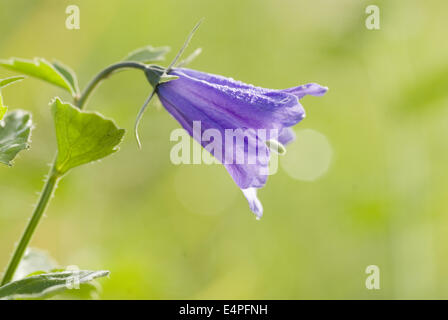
[[249, 116]]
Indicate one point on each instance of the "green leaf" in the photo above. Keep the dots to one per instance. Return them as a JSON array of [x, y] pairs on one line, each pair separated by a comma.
[[148, 54], [15, 133], [87, 291], [48, 284], [37, 262], [41, 69], [34, 261], [4, 83], [7, 81], [68, 74], [82, 136]]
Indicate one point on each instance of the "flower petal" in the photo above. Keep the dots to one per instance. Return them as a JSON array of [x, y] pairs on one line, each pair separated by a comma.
[[244, 106], [254, 204], [220, 80], [312, 89], [248, 160], [286, 136]]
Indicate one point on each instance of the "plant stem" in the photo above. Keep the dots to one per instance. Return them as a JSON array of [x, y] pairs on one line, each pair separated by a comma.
[[39, 210], [103, 75], [54, 176]]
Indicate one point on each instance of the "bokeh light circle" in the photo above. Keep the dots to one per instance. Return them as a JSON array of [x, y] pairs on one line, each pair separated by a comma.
[[308, 157]]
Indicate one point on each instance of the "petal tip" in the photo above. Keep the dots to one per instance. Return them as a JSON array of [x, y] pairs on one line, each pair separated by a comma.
[[255, 205], [313, 89], [317, 90]]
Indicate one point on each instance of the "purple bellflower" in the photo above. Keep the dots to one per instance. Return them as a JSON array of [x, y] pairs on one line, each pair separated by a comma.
[[222, 103], [258, 115]]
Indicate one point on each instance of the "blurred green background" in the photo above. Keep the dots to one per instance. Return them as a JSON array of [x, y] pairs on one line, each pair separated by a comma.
[[186, 232]]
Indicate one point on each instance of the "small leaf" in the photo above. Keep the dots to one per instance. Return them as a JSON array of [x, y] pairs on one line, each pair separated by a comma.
[[48, 284], [68, 74], [190, 58], [4, 83], [87, 291], [7, 81], [148, 54], [39, 68], [82, 136], [37, 262], [33, 261], [15, 133]]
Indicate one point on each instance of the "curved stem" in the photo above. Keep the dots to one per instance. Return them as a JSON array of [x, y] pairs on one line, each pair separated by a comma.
[[103, 75], [54, 177]]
